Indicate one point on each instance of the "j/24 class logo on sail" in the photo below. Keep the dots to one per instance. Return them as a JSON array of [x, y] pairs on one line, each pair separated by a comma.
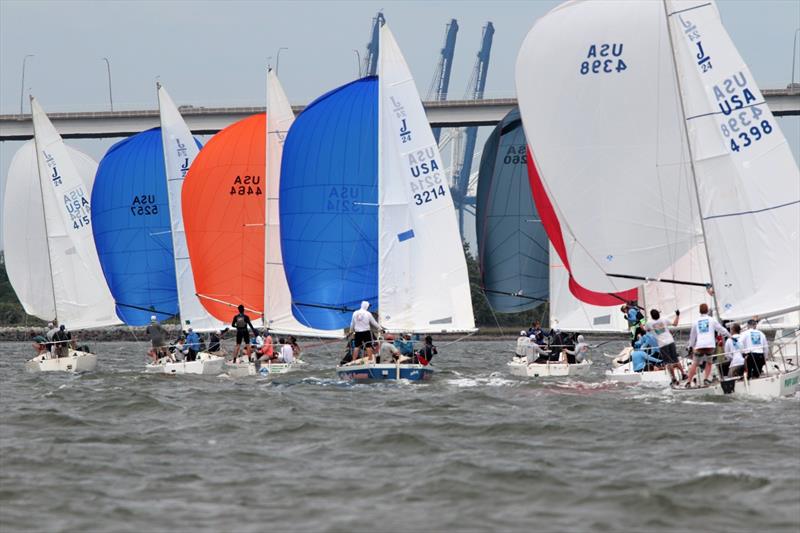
[[742, 123], [426, 183], [144, 205], [246, 186], [604, 58]]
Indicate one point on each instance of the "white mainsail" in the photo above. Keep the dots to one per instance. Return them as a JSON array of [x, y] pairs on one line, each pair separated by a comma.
[[567, 313], [423, 284], [49, 244], [668, 297], [601, 114], [747, 180], [277, 298], [180, 150]]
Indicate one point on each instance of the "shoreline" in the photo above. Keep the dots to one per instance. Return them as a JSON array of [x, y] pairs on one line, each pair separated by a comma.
[[137, 334]]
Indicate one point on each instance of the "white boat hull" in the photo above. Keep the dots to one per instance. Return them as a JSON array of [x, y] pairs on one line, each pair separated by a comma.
[[625, 374], [521, 367], [240, 370], [774, 385], [75, 362], [206, 364]]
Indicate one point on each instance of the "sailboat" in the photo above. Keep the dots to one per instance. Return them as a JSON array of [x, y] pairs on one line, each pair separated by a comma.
[[179, 150], [278, 315], [669, 114], [366, 215], [50, 255], [512, 243]]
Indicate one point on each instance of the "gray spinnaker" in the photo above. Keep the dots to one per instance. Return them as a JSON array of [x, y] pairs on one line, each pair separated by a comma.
[[512, 243]]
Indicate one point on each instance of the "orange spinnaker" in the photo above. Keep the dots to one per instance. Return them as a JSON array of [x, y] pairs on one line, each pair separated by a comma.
[[223, 213]]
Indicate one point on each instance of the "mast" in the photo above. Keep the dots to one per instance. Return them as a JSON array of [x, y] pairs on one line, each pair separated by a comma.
[[691, 156], [44, 215], [380, 166]]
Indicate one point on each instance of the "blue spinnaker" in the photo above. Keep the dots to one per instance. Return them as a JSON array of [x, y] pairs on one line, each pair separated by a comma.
[[328, 205], [512, 243], [131, 225]]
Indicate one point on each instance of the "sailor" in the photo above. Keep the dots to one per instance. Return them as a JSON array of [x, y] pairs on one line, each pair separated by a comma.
[[522, 343], [405, 345], [534, 352], [287, 354], [733, 352], [559, 340], [214, 340], [536, 332], [51, 330], [296, 351], [634, 317], [388, 351], [641, 358], [702, 342], [578, 354], [755, 349], [241, 322], [666, 343], [61, 339], [192, 345], [427, 352], [157, 335], [39, 343], [361, 325]]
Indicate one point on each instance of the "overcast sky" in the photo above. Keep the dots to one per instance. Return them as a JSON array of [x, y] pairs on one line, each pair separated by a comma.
[[214, 53]]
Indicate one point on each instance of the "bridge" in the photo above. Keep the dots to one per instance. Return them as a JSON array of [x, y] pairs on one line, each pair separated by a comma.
[[209, 120]]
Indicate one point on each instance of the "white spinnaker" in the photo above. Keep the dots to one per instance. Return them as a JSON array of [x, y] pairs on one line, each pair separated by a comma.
[[567, 313], [180, 150], [277, 297], [609, 145], [82, 298], [747, 180], [422, 273]]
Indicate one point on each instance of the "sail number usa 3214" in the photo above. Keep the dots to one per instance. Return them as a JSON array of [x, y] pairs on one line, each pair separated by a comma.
[[426, 181]]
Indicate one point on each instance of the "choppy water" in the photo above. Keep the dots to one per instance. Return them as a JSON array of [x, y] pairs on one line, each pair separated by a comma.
[[474, 450]]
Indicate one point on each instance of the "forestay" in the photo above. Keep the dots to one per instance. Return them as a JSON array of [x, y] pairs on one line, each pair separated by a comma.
[[277, 297], [223, 214], [601, 113], [512, 242], [422, 273], [328, 205], [79, 292], [747, 180], [132, 229]]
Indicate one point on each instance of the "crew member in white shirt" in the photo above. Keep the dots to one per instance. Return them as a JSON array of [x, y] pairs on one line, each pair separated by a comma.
[[755, 349], [666, 343], [703, 342], [733, 352]]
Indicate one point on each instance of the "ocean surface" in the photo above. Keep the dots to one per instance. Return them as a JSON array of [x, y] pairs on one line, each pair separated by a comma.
[[475, 449]]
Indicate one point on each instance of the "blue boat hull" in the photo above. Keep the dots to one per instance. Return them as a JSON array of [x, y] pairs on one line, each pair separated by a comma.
[[384, 372]]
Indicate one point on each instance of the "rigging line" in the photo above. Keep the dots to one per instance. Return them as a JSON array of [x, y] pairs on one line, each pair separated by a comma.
[[688, 9], [661, 280], [754, 211], [470, 334], [755, 104], [341, 308], [513, 294], [229, 304], [148, 309]]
